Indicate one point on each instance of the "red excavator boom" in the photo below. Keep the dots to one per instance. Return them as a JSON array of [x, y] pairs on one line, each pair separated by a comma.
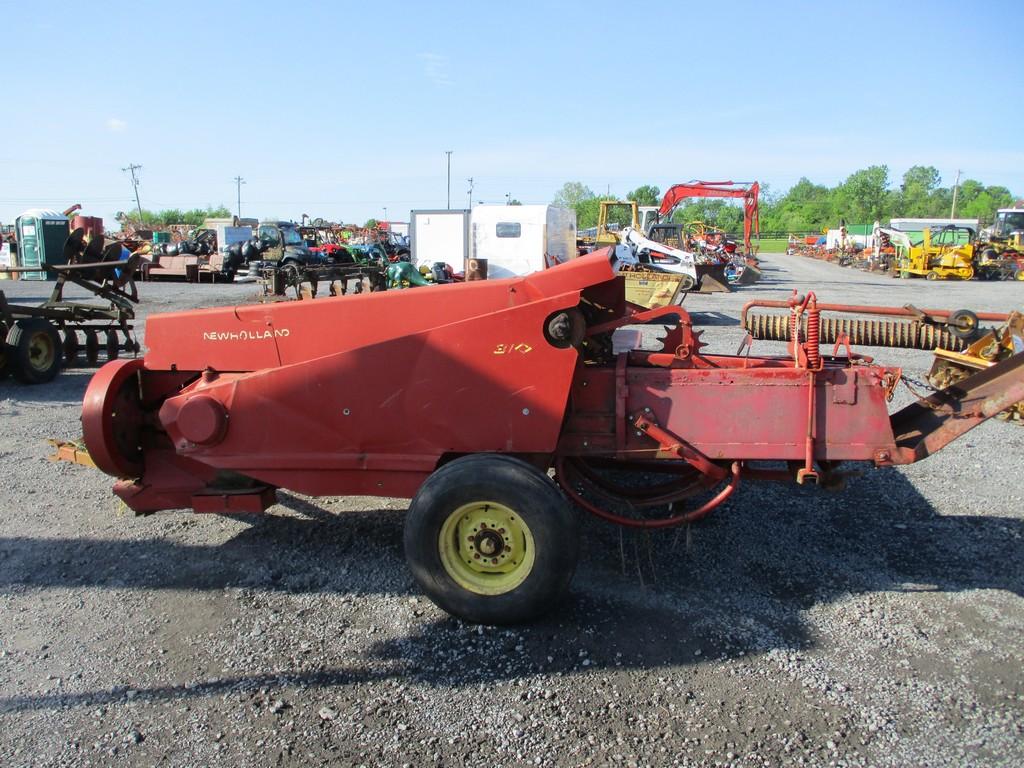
[[747, 190]]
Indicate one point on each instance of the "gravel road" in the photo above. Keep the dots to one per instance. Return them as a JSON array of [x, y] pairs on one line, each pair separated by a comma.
[[878, 626]]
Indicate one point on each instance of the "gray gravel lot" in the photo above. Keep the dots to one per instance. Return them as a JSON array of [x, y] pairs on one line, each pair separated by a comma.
[[878, 626]]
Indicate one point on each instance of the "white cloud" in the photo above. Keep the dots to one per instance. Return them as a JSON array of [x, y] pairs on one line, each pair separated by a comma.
[[116, 124], [435, 69]]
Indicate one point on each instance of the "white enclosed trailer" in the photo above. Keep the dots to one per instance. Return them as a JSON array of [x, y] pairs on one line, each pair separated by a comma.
[[520, 239], [439, 236], [513, 239]]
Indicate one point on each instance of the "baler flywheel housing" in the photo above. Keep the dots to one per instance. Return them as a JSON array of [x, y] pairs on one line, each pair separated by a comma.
[[112, 418]]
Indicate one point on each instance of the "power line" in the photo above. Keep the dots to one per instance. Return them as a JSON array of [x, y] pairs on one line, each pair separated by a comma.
[[132, 168], [239, 181], [449, 153], [956, 188]]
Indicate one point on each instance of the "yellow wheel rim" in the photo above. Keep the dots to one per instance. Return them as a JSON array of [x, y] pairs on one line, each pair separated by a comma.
[[486, 548], [41, 351]]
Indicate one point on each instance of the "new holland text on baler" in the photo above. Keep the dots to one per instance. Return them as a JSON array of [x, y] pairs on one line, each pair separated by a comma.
[[464, 397]]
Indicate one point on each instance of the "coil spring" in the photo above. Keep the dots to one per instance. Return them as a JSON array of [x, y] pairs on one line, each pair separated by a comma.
[[901, 334], [813, 337]]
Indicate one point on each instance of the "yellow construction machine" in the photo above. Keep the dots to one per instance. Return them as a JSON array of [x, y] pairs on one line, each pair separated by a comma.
[[946, 254], [997, 344], [1001, 246], [606, 236]]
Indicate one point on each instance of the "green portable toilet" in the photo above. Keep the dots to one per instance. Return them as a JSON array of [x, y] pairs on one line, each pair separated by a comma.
[[41, 236]]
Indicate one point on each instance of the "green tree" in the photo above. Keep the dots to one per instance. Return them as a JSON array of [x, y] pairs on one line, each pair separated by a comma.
[[806, 207], [582, 200], [976, 201], [724, 214], [171, 216], [370, 224], [917, 195], [197, 216], [587, 212], [572, 194], [645, 195], [865, 195]]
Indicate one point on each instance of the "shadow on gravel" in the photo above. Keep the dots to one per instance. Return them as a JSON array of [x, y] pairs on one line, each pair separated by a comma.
[[70, 384], [701, 318], [735, 585], [817, 284]]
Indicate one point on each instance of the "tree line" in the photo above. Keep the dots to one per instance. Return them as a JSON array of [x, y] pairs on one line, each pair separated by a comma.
[[165, 218], [865, 196]]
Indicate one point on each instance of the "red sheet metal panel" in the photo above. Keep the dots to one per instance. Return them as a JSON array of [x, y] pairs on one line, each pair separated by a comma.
[[735, 413], [253, 337], [488, 383]]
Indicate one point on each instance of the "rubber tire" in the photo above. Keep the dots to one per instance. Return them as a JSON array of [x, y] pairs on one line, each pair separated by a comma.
[[113, 346], [963, 324], [535, 498], [19, 343], [71, 348], [92, 347], [289, 275], [5, 355], [933, 275]]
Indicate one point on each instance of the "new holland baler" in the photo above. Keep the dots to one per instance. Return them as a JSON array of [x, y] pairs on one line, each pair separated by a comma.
[[497, 407]]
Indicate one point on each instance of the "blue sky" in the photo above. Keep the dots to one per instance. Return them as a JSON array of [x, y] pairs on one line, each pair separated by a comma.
[[342, 109]]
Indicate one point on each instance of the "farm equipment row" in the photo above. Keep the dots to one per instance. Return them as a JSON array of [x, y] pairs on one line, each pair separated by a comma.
[[949, 252], [465, 397]]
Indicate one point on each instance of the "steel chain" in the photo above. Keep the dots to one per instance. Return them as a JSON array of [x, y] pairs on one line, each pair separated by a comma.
[[922, 399]]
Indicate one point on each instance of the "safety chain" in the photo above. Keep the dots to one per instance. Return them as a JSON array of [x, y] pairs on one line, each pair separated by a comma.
[[911, 383], [945, 410]]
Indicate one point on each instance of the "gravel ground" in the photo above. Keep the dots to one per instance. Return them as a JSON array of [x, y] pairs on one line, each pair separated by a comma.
[[878, 626]]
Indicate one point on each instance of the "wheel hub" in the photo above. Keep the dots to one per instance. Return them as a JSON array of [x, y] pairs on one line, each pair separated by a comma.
[[486, 547], [41, 351], [489, 543]]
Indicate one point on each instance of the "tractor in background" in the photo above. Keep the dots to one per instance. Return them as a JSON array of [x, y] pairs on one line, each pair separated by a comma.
[[946, 254], [1000, 247]]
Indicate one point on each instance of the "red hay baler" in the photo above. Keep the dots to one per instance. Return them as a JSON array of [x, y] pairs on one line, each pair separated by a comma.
[[465, 397]]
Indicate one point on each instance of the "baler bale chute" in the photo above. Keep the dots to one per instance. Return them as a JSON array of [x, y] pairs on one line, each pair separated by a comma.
[[465, 397]]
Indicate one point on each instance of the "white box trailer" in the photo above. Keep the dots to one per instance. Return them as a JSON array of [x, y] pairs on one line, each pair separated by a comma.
[[514, 239], [439, 235], [520, 239]]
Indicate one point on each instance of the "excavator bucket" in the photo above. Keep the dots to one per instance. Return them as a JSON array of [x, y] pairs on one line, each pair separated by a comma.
[[711, 279], [749, 275]]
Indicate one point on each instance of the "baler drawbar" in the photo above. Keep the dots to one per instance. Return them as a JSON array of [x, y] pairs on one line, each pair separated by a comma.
[[464, 397]]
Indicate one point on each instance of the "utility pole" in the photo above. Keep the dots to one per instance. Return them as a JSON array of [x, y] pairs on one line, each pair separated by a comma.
[[385, 213], [239, 181], [449, 153], [956, 188], [470, 180], [508, 198], [132, 168]]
